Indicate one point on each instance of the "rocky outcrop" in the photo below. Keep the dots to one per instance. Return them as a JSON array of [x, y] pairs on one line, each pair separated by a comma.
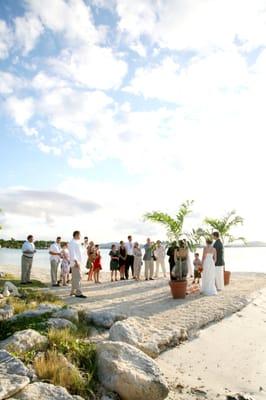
[[11, 384], [67, 313], [25, 340], [6, 312], [12, 289], [129, 372], [104, 319], [10, 365], [60, 323], [144, 336], [43, 391]]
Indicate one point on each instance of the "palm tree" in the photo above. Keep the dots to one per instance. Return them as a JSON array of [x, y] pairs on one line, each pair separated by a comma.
[[224, 226], [173, 225]]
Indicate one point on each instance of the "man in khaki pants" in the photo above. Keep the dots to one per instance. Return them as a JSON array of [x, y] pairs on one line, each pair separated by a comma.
[[148, 260], [55, 258], [75, 254], [28, 250]]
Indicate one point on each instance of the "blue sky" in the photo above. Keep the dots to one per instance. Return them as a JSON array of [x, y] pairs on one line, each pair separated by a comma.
[[132, 106]]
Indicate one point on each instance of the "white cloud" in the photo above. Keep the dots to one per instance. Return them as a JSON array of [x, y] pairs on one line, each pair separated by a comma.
[[28, 29], [21, 110], [6, 39], [9, 83], [91, 66], [72, 18]]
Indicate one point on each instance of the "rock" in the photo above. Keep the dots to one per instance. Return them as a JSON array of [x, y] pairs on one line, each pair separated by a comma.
[[239, 396], [12, 288], [138, 333], [104, 319], [41, 310], [60, 323], [11, 384], [24, 341], [129, 372], [6, 312], [1, 296], [6, 292], [43, 391], [11, 365], [67, 313]]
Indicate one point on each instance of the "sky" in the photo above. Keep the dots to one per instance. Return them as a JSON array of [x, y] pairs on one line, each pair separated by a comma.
[[113, 108]]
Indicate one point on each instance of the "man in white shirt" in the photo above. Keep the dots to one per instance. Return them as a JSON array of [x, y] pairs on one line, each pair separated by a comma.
[[75, 254], [130, 257], [159, 254], [28, 250], [55, 258]]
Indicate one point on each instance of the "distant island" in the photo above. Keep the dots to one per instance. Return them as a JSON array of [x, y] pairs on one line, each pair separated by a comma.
[[45, 244]]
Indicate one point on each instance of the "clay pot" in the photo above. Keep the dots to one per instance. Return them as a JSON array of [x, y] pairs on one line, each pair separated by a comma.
[[227, 275], [178, 289]]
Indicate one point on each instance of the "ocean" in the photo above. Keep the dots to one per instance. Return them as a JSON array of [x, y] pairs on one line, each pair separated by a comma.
[[243, 259]]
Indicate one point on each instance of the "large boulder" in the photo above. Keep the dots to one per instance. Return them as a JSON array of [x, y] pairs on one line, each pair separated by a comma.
[[11, 384], [11, 365], [103, 319], [146, 337], [129, 372], [25, 340], [43, 391], [60, 323], [67, 313], [6, 312]]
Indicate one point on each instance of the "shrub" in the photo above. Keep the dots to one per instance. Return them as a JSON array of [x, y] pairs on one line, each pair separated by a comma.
[[9, 327], [54, 368]]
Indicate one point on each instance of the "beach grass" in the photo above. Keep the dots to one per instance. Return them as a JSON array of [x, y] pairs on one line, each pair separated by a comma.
[[16, 281]]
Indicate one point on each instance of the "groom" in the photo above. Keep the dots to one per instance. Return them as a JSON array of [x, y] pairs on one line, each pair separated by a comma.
[[219, 265]]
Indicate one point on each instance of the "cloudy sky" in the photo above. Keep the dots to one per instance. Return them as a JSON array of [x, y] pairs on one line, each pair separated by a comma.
[[111, 108]]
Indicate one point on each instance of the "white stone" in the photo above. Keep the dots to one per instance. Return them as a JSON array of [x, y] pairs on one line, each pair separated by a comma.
[[6, 313], [25, 340], [104, 319], [67, 313], [43, 391], [12, 288], [11, 384], [129, 372], [143, 335], [11, 365], [60, 323]]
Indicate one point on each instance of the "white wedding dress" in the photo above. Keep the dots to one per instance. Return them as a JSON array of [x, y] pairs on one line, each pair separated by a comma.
[[208, 276]]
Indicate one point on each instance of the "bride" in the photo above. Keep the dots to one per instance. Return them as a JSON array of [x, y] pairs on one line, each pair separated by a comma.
[[208, 262]]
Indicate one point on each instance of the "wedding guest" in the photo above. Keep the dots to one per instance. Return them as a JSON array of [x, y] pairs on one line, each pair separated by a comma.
[[86, 242], [91, 258], [208, 276], [122, 260], [114, 262], [130, 258], [28, 251], [97, 266], [171, 255], [148, 260], [65, 265], [55, 259], [159, 254], [137, 261], [180, 257], [197, 268], [75, 254], [219, 264]]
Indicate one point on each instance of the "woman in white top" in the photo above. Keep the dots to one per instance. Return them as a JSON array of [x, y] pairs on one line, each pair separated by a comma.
[[208, 276], [159, 254]]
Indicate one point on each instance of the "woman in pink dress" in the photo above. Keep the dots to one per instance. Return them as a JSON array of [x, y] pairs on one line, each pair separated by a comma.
[[97, 264]]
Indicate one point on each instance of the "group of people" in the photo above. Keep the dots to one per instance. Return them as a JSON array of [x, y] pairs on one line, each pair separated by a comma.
[[125, 259]]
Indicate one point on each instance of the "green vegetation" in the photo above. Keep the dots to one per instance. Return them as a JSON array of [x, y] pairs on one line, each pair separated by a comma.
[[17, 244], [224, 226], [65, 347], [16, 282]]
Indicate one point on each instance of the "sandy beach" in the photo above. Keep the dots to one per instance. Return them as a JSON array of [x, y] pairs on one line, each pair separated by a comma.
[[229, 357]]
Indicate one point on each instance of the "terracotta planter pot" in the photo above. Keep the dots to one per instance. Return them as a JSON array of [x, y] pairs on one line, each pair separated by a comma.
[[227, 275], [178, 289]]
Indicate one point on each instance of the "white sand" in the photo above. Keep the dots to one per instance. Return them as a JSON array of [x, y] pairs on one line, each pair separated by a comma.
[[227, 357]]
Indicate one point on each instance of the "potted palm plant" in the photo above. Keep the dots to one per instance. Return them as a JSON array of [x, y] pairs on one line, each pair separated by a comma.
[[224, 227], [180, 246]]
